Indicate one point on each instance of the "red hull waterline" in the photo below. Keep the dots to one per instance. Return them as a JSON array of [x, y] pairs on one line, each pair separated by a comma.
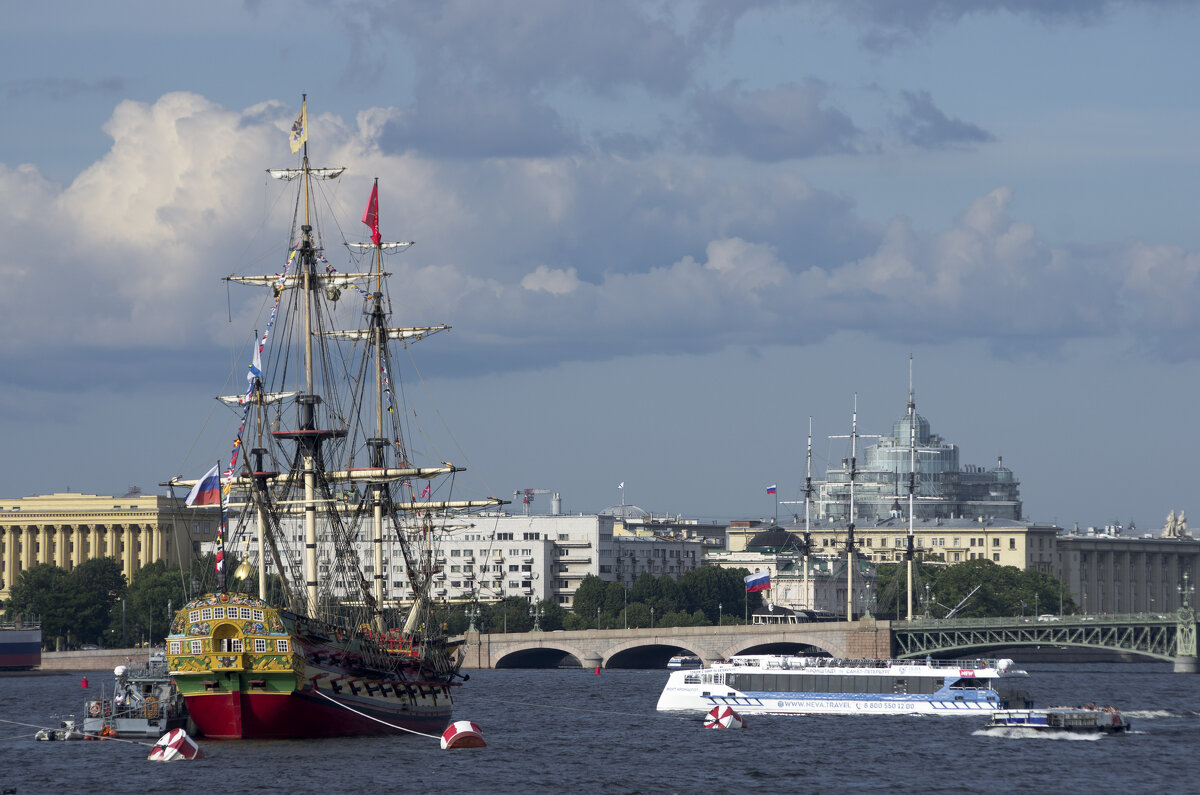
[[280, 716]]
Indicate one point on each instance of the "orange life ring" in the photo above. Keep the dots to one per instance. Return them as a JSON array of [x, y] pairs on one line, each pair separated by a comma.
[[151, 707], [94, 708]]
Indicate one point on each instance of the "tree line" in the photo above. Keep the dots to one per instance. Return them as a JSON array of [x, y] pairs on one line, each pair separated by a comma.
[[938, 589], [701, 597], [93, 603]]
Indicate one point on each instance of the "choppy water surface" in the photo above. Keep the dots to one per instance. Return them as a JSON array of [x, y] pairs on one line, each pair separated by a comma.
[[551, 730]]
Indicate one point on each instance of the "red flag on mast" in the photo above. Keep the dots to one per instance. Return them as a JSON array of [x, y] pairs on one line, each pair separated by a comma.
[[371, 214]]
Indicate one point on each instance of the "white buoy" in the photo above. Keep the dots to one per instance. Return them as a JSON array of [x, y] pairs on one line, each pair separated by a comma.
[[723, 718], [462, 734], [173, 746]]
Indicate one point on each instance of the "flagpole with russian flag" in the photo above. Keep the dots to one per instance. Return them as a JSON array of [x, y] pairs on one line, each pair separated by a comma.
[[207, 491], [758, 581], [774, 489]]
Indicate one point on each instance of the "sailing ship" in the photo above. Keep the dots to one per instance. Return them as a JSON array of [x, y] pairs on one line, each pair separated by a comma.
[[316, 652]]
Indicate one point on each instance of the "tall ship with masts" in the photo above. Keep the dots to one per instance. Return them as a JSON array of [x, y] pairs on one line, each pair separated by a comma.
[[318, 463]]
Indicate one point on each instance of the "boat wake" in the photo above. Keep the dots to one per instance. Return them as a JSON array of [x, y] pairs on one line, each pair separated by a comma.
[[1017, 733], [1150, 714]]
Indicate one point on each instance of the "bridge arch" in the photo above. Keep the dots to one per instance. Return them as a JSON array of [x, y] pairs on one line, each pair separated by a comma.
[[542, 655], [652, 652], [782, 643]]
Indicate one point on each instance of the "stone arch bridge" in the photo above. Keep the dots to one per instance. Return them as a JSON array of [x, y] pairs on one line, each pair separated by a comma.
[[637, 648], [1162, 637]]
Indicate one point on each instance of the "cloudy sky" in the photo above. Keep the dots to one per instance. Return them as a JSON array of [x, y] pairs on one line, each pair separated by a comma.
[[666, 235]]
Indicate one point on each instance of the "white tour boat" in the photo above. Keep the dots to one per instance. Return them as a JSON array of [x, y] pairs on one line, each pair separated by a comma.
[[772, 684]]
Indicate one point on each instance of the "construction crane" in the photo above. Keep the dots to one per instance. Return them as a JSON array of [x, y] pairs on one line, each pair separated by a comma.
[[526, 496]]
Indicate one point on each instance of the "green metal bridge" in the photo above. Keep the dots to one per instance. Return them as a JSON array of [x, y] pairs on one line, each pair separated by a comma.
[[1169, 637]]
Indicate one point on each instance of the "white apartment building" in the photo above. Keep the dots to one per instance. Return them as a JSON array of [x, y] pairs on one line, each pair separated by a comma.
[[539, 557]]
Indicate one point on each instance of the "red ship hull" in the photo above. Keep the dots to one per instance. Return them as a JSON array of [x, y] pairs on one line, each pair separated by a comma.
[[304, 714]]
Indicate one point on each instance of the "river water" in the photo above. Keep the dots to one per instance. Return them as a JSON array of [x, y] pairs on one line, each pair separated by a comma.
[[562, 730]]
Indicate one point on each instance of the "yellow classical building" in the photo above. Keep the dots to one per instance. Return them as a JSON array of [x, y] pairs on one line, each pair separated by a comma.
[[1008, 542], [68, 529]]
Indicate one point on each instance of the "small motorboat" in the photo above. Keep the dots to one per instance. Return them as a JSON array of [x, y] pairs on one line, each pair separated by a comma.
[[1086, 719], [67, 730], [685, 661]]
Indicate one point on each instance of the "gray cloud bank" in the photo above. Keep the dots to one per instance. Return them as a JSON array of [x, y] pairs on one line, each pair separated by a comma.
[[535, 261]]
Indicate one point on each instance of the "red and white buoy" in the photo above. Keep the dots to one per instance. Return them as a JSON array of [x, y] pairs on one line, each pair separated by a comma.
[[462, 734], [175, 745], [723, 718]]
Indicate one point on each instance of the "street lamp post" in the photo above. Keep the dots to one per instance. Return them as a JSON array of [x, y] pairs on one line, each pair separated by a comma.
[[652, 618], [124, 636], [720, 614], [625, 604], [597, 618]]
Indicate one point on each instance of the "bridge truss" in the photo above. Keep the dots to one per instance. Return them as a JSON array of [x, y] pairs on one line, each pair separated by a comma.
[[1160, 637]]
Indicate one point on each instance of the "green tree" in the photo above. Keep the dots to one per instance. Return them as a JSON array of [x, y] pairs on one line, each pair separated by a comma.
[[102, 584], [714, 589], [615, 598], [574, 621], [589, 597], [645, 589], [48, 593], [681, 618], [153, 596], [670, 596], [639, 615], [510, 614], [1003, 590]]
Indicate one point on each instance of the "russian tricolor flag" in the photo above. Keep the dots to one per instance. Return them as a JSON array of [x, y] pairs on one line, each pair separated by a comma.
[[758, 581], [207, 491], [771, 489]]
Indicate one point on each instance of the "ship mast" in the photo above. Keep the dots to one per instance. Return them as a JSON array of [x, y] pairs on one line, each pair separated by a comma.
[[850, 518], [309, 276], [808, 601], [912, 481], [310, 445]]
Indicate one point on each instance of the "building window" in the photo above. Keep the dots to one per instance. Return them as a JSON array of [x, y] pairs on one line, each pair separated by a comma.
[[173, 647], [281, 646], [206, 614], [1012, 543], [197, 647], [260, 645], [244, 613], [219, 612], [996, 556], [995, 542]]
